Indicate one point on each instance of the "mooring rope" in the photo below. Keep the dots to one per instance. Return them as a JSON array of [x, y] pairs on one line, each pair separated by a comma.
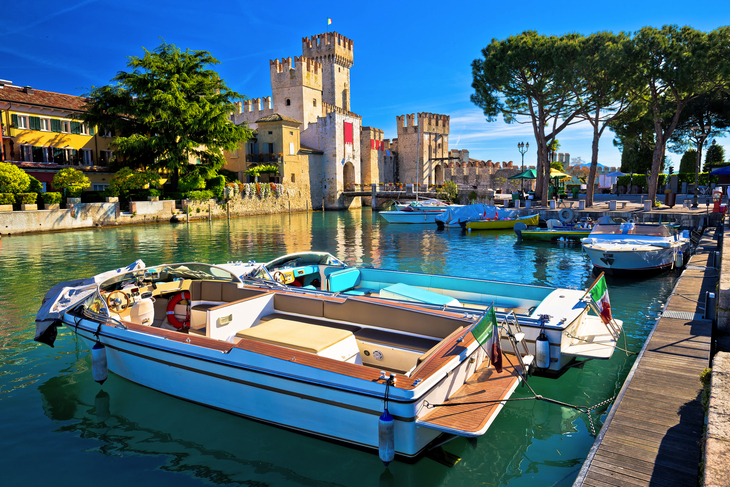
[[582, 409]]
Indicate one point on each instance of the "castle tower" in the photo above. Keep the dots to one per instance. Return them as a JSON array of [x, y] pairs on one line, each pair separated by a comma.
[[297, 88], [334, 51], [423, 142]]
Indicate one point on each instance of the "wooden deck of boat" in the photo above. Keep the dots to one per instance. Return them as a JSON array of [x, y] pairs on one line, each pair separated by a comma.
[[463, 411], [653, 433]]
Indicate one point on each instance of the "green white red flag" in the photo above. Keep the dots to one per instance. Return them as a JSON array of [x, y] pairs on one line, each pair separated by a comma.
[[487, 332], [599, 295]]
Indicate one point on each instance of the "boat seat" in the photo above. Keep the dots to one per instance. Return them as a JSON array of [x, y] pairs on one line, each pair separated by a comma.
[[343, 280], [311, 321], [412, 293], [395, 339]]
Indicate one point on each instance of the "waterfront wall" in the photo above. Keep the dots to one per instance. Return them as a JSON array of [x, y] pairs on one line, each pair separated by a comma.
[[88, 215], [723, 298]]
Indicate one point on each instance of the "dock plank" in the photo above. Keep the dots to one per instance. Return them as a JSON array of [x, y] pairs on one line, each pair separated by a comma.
[[652, 434]]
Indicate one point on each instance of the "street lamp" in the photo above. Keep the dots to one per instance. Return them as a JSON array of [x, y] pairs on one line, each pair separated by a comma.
[[694, 130], [522, 147]]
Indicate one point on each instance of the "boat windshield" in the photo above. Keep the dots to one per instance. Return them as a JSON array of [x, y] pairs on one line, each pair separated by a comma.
[[302, 259], [637, 229], [167, 273]]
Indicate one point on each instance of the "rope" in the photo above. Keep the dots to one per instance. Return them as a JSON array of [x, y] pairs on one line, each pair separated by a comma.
[[582, 409]]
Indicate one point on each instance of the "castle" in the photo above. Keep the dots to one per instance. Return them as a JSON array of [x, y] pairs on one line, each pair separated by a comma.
[[307, 128]]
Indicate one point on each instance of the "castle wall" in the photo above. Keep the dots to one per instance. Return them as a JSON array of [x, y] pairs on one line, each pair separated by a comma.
[[341, 160], [335, 52], [371, 152], [421, 139], [300, 83]]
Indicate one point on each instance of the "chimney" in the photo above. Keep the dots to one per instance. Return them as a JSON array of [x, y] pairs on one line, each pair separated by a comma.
[[28, 89]]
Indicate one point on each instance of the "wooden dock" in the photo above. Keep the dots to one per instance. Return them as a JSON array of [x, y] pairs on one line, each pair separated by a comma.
[[653, 432]]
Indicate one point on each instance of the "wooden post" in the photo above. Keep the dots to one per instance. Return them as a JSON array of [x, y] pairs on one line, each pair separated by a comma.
[[228, 210], [187, 209], [209, 211]]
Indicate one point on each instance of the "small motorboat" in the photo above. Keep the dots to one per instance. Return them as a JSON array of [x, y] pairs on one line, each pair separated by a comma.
[[556, 231], [411, 214], [630, 246], [561, 316], [501, 223], [372, 373]]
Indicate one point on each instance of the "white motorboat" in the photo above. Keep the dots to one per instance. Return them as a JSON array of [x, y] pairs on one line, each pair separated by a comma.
[[564, 318], [629, 246], [370, 373], [413, 215]]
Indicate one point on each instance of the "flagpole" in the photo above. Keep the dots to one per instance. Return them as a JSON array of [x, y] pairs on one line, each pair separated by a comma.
[[591, 286]]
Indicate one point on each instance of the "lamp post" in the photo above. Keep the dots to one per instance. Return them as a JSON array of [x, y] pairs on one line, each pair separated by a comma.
[[522, 147], [695, 136]]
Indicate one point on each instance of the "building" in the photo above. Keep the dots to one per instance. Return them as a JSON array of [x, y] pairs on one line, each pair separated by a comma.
[[307, 128], [41, 135]]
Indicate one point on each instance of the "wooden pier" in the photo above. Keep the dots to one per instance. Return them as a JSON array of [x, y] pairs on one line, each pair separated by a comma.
[[653, 433]]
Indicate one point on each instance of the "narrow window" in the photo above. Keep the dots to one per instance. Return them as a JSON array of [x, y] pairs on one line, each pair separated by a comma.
[[288, 102], [293, 179], [314, 102], [291, 148]]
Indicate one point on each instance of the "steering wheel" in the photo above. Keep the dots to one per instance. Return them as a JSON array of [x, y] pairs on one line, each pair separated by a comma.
[[279, 277], [115, 303]]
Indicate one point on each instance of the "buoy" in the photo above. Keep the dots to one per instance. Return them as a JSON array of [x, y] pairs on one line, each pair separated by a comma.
[[678, 259], [98, 363], [542, 351], [386, 437], [101, 406]]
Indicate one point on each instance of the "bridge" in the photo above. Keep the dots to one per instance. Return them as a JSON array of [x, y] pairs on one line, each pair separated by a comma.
[[382, 194]]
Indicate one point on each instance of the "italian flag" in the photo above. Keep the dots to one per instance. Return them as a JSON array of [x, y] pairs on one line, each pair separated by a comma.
[[599, 295], [487, 332]]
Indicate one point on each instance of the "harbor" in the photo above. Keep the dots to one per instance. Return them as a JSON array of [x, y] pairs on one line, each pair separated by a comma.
[[528, 441]]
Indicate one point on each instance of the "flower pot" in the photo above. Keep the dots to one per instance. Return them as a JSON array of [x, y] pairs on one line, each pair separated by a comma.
[[26, 207], [52, 206], [6, 207]]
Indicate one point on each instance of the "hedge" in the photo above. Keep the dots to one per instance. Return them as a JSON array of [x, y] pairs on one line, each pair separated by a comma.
[[7, 198], [51, 198], [26, 198], [200, 195]]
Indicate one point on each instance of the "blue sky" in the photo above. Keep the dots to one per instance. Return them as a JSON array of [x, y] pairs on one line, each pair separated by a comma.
[[409, 56]]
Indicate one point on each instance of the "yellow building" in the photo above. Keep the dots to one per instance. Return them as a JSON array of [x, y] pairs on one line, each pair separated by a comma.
[[41, 136]]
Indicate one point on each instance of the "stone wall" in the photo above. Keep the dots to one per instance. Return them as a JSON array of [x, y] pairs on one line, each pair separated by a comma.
[[82, 215]]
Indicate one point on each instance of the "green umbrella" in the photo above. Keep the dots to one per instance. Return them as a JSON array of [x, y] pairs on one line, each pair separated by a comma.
[[529, 174]]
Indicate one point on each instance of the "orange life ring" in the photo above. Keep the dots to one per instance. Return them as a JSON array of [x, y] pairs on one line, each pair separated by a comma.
[[171, 311]]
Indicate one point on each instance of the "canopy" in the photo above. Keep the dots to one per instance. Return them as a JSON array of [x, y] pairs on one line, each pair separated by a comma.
[[615, 174], [529, 174], [721, 171], [554, 173]]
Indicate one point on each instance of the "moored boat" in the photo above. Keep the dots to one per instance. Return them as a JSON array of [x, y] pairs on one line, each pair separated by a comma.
[[197, 332], [412, 215], [630, 246], [561, 315], [501, 223], [556, 231]]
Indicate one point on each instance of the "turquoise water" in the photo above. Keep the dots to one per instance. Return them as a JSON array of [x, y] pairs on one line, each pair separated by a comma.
[[59, 427]]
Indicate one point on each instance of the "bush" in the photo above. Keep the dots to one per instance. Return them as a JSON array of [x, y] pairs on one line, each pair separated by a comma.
[[174, 195], [216, 185], [449, 192], [155, 192], [13, 179], [72, 180], [200, 195], [191, 182], [231, 177], [7, 199], [51, 198], [26, 198]]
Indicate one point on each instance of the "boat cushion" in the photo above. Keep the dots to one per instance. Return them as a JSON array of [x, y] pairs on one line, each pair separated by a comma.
[[310, 306], [411, 293], [361, 291], [295, 334], [343, 280]]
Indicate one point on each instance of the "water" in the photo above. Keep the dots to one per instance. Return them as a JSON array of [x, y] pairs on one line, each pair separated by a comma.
[[59, 427]]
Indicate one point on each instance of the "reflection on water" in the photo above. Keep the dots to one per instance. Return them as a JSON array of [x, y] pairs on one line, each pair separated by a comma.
[[124, 433]]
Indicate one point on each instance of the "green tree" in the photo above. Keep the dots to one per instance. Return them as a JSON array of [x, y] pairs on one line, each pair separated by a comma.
[[688, 162], [167, 111], [72, 180], [715, 156], [127, 179], [668, 69], [602, 92], [529, 78], [449, 191], [13, 179]]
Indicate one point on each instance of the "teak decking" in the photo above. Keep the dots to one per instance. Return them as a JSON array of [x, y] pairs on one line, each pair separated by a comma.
[[653, 433]]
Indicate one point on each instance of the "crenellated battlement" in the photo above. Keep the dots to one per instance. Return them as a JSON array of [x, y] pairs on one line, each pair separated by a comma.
[[428, 123], [330, 45], [254, 105], [329, 108], [302, 71]]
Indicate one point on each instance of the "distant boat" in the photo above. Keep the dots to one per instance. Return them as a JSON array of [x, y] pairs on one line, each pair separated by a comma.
[[502, 223], [558, 231], [412, 215]]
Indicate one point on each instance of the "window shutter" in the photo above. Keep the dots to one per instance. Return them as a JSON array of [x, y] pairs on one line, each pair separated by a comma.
[[55, 125], [14, 120], [34, 123], [91, 130], [75, 127]]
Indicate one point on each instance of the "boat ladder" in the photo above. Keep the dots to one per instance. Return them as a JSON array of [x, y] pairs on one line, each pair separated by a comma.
[[511, 326]]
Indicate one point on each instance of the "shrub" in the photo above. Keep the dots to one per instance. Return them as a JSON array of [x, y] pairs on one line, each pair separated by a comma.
[[191, 182], [35, 186], [51, 198], [72, 180], [200, 195], [127, 180], [13, 179], [216, 185], [155, 192], [449, 192], [174, 195], [7, 199], [26, 198]]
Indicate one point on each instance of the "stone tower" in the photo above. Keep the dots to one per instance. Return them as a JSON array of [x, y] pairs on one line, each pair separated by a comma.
[[423, 142], [297, 88], [334, 52]]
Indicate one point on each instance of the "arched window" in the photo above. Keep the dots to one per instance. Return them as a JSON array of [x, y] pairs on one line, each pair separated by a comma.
[[288, 102]]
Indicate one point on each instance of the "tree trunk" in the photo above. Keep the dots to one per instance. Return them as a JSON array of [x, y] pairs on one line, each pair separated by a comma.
[[546, 173], [592, 171]]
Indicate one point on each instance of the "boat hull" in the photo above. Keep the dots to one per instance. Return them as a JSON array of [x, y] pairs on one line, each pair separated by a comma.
[[501, 224], [410, 216], [546, 235], [284, 393], [629, 260]]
